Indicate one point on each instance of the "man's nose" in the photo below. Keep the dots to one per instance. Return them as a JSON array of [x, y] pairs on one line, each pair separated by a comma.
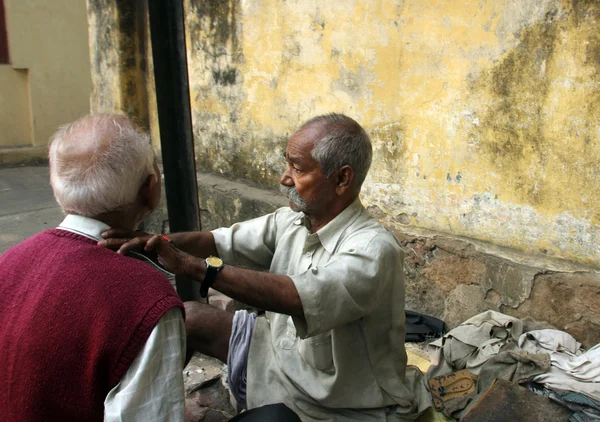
[[286, 178]]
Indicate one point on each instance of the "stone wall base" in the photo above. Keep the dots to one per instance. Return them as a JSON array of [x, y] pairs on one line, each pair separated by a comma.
[[455, 279]]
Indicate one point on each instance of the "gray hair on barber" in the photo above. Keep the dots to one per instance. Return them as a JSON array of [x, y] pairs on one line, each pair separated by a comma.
[[344, 142], [98, 164]]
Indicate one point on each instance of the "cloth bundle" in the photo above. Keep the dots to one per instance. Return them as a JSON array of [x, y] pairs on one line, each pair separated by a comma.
[[493, 345]]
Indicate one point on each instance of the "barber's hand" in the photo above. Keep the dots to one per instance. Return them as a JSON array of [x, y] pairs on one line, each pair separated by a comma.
[[174, 260], [123, 240]]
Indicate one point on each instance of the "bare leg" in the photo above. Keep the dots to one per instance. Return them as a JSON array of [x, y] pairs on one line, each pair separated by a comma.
[[208, 329]]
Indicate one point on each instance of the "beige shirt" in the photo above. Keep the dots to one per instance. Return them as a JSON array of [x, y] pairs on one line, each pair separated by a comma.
[[346, 361]]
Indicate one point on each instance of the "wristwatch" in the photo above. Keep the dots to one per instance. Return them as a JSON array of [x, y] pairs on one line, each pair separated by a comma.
[[214, 264]]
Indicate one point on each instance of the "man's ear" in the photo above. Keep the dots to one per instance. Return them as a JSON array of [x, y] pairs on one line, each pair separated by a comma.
[[147, 192], [345, 176]]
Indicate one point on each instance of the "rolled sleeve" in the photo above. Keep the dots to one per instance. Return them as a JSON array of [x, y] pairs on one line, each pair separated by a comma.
[[348, 286], [250, 243]]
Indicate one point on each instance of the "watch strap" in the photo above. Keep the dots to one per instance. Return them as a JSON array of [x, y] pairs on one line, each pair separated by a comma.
[[209, 279]]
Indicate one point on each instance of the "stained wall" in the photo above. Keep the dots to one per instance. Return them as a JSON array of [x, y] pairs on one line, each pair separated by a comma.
[[485, 115]]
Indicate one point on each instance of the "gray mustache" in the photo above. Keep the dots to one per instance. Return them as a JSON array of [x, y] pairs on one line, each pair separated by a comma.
[[291, 193]]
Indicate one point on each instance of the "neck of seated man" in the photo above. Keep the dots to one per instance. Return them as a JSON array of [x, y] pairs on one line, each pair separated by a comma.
[[128, 217]]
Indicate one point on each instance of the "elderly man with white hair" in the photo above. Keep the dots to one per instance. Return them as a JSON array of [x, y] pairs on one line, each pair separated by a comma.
[[88, 334]]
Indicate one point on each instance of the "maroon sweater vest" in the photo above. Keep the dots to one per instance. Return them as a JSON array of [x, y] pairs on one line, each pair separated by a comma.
[[73, 317]]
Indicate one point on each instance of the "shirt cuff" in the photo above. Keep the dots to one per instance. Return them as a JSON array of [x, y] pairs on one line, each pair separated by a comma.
[[310, 325], [223, 245]]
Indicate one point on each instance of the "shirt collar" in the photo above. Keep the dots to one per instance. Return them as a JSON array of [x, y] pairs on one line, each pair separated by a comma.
[[332, 231], [84, 226]]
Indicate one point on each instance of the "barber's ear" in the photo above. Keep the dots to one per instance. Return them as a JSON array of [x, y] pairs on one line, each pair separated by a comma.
[[345, 175]]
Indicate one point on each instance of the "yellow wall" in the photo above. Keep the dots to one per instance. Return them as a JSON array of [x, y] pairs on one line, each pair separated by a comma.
[[49, 71], [484, 114], [14, 107], [122, 73]]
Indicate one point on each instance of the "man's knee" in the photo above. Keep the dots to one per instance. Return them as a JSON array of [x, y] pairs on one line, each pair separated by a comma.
[[208, 329], [201, 316], [193, 309]]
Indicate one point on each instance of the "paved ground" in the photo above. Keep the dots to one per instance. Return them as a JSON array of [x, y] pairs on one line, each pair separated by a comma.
[[26, 204]]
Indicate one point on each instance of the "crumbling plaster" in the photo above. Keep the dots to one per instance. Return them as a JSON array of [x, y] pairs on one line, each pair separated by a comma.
[[484, 114]]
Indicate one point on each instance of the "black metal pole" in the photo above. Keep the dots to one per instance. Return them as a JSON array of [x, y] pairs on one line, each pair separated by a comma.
[[167, 33]]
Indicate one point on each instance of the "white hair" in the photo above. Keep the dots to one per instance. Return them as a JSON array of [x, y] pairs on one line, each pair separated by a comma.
[[98, 164]]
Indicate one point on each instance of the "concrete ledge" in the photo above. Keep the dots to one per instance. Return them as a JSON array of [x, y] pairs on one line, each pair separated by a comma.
[[224, 202], [23, 155]]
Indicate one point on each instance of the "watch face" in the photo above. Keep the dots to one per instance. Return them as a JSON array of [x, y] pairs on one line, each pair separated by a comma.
[[214, 261]]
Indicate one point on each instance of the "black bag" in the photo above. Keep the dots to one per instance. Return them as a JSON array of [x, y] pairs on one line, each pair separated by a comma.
[[420, 327]]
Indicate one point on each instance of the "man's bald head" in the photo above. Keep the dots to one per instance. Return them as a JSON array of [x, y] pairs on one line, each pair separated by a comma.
[[98, 163]]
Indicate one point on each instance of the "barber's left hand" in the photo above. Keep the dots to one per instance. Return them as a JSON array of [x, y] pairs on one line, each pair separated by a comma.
[[173, 259]]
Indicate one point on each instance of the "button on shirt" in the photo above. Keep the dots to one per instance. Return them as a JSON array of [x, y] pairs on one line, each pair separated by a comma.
[[346, 359]]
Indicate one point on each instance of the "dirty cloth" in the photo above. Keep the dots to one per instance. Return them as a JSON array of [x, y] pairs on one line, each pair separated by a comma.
[[561, 346], [585, 409], [346, 359], [517, 367], [237, 359], [479, 339], [474, 342], [572, 368]]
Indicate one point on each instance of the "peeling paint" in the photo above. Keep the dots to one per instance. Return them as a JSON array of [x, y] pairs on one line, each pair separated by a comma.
[[484, 115]]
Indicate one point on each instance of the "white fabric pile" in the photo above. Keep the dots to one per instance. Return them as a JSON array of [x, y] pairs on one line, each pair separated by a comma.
[[474, 342]]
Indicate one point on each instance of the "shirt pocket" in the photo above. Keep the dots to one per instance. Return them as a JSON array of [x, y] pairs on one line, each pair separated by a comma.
[[287, 340], [317, 351]]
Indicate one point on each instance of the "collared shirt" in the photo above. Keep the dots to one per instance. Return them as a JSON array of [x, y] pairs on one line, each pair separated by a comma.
[[152, 388], [346, 359]]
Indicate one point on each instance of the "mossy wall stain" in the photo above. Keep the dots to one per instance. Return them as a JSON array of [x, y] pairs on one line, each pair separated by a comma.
[[104, 52], [517, 133], [248, 64], [511, 131], [227, 141], [538, 110], [484, 114], [119, 52]]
